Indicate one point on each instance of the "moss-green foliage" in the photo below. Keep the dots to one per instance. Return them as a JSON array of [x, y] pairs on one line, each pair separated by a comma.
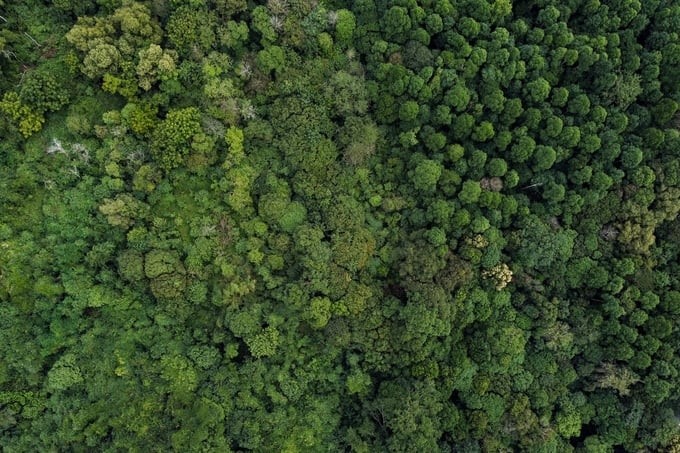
[[339, 226]]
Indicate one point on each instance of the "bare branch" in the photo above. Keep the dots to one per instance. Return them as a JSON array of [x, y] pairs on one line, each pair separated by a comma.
[[33, 40]]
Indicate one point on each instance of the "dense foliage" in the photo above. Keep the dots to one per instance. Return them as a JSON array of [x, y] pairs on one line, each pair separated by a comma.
[[316, 226]]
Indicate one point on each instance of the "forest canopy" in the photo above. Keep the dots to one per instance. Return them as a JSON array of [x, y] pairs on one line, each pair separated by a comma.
[[329, 225]]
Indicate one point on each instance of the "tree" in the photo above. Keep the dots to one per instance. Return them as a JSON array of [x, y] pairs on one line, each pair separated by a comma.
[[579, 105], [90, 32], [408, 111], [264, 344], [347, 94], [345, 25], [101, 60], [319, 312], [631, 157], [28, 120], [523, 149], [230, 7], [359, 137], [271, 58], [180, 374], [538, 90], [171, 139], [470, 192], [131, 265], [426, 175], [166, 272], [154, 64], [123, 211], [544, 158], [397, 22], [42, 92], [191, 29], [457, 97], [483, 132], [539, 246], [663, 112], [626, 90], [616, 377], [497, 167]]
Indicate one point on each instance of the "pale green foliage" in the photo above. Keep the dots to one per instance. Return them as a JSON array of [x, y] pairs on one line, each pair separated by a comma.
[[426, 175], [64, 374], [154, 64], [131, 265], [626, 90], [101, 59], [360, 136], [470, 192], [110, 43], [568, 423], [234, 138], [158, 262], [347, 93], [123, 210], [130, 27], [265, 343], [294, 214], [241, 180], [616, 377], [271, 58], [134, 20], [319, 312], [358, 382], [89, 32], [345, 25], [180, 374]]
